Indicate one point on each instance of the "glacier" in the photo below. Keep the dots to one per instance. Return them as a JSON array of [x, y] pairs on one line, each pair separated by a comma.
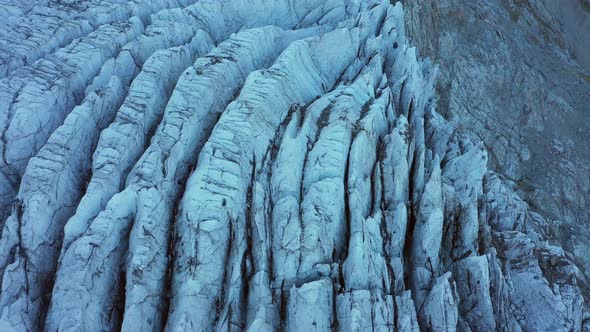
[[249, 165]]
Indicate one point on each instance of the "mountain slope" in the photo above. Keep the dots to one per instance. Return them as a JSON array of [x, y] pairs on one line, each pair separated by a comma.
[[510, 73]]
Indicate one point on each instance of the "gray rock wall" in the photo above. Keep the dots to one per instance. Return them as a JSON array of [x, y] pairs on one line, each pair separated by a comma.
[[510, 72]]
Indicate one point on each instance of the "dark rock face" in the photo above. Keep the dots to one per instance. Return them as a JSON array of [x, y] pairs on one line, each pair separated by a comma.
[[516, 74], [267, 165]]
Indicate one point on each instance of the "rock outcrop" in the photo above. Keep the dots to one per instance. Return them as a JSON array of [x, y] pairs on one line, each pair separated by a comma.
[[516, 73]]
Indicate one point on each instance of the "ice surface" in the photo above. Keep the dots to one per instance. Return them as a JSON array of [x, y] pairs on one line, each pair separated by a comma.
[[252, 166]]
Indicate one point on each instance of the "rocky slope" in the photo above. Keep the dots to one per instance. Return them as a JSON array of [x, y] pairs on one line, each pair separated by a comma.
[[254, 166], [515, 73]]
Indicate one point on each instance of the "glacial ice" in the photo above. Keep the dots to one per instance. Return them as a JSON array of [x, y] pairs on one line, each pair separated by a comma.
[[253, 166]]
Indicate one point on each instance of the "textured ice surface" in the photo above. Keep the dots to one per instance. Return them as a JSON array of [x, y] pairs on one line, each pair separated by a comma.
[[251, 166]]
